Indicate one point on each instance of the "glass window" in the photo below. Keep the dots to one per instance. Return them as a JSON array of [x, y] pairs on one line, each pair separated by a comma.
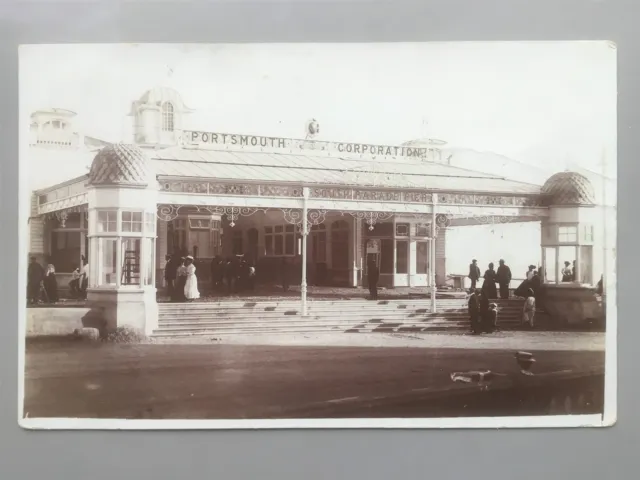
[[167, 117], [402, 229], [132, 221], [289, 244], [238, 242], [150, 260], [567, 234], [280, 240], [588, 233], [402, 256], [550, 264], [107, 221], [319, 247], [279, 245], [423, 230], [386, 255], [130, 261], [567, 263], [422, 257], [107, 267], [268, 246]]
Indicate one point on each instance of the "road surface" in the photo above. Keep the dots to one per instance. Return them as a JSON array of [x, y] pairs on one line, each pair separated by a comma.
[[217, 381]]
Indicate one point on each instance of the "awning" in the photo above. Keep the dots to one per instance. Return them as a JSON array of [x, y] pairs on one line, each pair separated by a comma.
[[323, 170]]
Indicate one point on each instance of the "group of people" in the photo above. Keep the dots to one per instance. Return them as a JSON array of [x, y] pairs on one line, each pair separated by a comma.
[[502, 277], [232, 275], [180, 275], [483, 314], [42, 284]]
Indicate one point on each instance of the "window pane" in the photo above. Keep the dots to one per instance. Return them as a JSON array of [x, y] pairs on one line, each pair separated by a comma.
[[278, 246], [107, 267], [586, 261], [279, 229], [126, 226], [422, 230], [268, 246], [550, 264], [422, 257], [386, 256], [268, 229], [136, 226], [402, 261], [131, 261], [288, 246], [402, 229], [136, 216], [289, 228], [126, 216]]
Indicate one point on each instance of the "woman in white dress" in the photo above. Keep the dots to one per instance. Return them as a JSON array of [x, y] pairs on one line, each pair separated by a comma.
[[191, 286], [529, 309]]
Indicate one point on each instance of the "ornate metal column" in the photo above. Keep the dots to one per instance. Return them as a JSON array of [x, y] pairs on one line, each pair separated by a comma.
[[304, 220], [432, 253], [305, 233]]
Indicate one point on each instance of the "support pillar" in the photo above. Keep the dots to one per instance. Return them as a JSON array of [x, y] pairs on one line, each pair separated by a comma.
[[305, 233], [432, 270]]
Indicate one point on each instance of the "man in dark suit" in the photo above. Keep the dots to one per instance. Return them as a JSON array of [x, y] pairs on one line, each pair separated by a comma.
[[474, 273], [504, 279], [373, 274]]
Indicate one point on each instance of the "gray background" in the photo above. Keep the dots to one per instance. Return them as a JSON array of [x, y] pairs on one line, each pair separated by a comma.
[[522, 454]]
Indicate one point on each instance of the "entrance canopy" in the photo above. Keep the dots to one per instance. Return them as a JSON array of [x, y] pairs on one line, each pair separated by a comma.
[[218, 176]]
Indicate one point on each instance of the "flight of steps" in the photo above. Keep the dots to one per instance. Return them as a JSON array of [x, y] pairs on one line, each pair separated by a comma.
[[230, 317]]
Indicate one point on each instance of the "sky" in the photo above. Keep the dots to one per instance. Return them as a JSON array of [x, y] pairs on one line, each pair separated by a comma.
[[548, 104]]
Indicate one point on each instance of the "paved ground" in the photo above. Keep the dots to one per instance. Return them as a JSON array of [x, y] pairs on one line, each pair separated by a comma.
[[277, 379], [509, 340]]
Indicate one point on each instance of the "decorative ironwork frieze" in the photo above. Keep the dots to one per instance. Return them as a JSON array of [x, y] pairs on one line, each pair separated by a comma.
[[168, 213], [371, 218], [295, 217]]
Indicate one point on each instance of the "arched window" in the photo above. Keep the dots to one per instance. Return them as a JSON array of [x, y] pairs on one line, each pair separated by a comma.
[[167, 117]]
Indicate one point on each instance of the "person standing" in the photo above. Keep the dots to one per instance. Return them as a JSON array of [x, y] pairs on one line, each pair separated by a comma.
[[474, 273], [252, 277], [504, 278], [373, 275], [529, 309], [191, 282], [84, 278], [567, 273], [491, 322], [170, 271], [181, 280], [474, 311], [50, 284], [35, 276], [489, 285]]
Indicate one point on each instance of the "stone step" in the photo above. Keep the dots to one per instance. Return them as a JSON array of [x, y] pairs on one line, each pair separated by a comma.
[[341, 303]]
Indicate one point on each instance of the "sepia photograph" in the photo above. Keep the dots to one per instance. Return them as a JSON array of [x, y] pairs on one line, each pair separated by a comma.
[[356, 235]]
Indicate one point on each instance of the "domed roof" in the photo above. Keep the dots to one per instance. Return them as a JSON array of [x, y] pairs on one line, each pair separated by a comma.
[[120, 164], [569, 188]]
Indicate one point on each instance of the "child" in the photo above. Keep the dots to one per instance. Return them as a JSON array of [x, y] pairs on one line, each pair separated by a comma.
[[492, 318]]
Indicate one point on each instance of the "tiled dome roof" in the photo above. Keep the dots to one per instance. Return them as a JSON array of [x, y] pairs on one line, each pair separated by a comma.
[[120, 164], [569, 188]]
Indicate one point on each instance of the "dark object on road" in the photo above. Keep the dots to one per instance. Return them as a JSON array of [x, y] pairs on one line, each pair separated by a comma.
[[525, 361]]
